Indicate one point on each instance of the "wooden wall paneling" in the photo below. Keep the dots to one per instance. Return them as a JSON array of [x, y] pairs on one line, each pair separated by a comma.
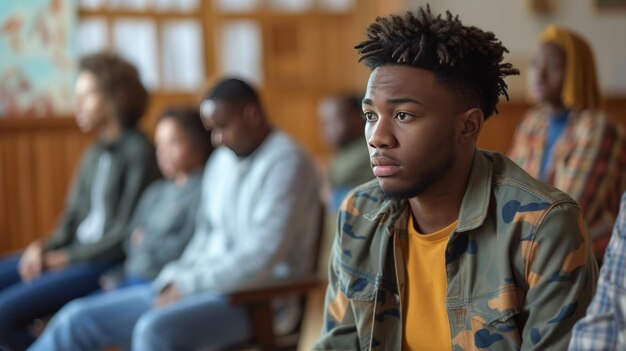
[[208, 21], [8, 207], [160, 101], [55, 160], [37, 160], [25, 181], [498, 130], [283, 57], [46, 166], [338, 66], [296, 114], [305, 58], [294, 56], [615, 107], [10, 181]]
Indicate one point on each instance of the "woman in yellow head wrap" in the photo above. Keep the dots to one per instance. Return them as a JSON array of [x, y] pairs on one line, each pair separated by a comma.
[[566, 140]]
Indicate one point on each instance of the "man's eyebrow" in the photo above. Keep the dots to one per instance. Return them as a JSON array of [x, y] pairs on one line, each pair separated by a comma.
[[398, 101], [404, 101]]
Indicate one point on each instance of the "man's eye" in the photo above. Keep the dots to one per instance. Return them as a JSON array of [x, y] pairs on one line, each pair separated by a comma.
[[402, 116], [369, 116]]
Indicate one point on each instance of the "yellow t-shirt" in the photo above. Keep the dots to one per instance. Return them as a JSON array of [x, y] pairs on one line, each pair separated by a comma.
[[425, 320]]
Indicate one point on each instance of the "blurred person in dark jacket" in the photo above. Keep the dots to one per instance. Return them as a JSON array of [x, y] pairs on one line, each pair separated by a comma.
[[113, 172]]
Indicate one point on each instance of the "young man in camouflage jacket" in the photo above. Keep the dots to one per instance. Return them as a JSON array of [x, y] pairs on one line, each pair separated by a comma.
[[452, 247]]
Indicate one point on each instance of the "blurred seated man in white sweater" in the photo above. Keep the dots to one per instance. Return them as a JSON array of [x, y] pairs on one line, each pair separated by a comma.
[[256, 222]]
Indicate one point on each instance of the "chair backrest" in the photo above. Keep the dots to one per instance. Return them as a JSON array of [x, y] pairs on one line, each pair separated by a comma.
[[260, 312], [321, 226]]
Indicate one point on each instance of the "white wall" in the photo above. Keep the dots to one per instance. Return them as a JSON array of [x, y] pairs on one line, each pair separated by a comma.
[[517, 28]]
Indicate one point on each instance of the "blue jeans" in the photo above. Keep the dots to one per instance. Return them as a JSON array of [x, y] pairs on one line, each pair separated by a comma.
[[125, 317], [21, 303]]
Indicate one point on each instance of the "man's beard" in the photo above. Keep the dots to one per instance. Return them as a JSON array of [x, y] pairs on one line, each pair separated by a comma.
[[415, 190]]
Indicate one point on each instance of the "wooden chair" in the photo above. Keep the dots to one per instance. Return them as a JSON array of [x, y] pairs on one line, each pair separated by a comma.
[[257, 300]]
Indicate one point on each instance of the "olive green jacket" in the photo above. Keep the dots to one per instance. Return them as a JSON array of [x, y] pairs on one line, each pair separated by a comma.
[[133, 168], [520, 271]]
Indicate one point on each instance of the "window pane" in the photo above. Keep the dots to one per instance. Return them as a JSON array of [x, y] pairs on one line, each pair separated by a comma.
[[92, 35], [182, 55], [237, 5], [337, 5], [291, 5], [129, 4], [136, 41], [241, 50], [176, 5], [91, 4]]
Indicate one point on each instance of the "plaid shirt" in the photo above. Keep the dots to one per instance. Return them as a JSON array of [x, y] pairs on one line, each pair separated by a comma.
[[588, 164], [604, 326]]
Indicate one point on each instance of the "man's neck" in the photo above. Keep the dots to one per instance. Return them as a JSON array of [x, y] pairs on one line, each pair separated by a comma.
[[439, 206], [432, 213], [262, 135]]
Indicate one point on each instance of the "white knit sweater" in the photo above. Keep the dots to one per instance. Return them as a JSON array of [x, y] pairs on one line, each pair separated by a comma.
[[257, 220]]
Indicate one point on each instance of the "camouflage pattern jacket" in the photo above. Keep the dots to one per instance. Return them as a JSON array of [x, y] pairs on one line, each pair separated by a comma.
[[520, 271]]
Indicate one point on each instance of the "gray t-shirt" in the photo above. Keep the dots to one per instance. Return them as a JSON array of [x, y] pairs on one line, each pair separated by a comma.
[[161, 226]]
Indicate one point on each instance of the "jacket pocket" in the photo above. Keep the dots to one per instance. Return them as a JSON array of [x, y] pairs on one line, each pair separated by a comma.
[[494, 321], [360, 291], [356, 285]]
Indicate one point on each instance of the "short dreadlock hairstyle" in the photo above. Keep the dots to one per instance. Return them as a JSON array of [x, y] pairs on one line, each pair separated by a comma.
[[465, 59]]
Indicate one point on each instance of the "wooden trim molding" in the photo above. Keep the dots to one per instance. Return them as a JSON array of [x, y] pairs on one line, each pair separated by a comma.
[[30, 124]]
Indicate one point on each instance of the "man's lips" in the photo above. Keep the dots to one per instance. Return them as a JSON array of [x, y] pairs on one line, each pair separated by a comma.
[[383, 166]]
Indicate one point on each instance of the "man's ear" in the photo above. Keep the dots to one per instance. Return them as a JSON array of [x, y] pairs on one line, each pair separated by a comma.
[[250, 114], [471, 123]]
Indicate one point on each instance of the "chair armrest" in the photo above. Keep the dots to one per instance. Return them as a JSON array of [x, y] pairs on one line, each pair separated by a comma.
[[275, 289]]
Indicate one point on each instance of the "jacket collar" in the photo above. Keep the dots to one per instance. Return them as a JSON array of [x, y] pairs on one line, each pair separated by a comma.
[[477, 194]]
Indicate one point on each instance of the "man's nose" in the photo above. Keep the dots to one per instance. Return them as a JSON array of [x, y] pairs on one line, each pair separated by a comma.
[[381, 135]]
